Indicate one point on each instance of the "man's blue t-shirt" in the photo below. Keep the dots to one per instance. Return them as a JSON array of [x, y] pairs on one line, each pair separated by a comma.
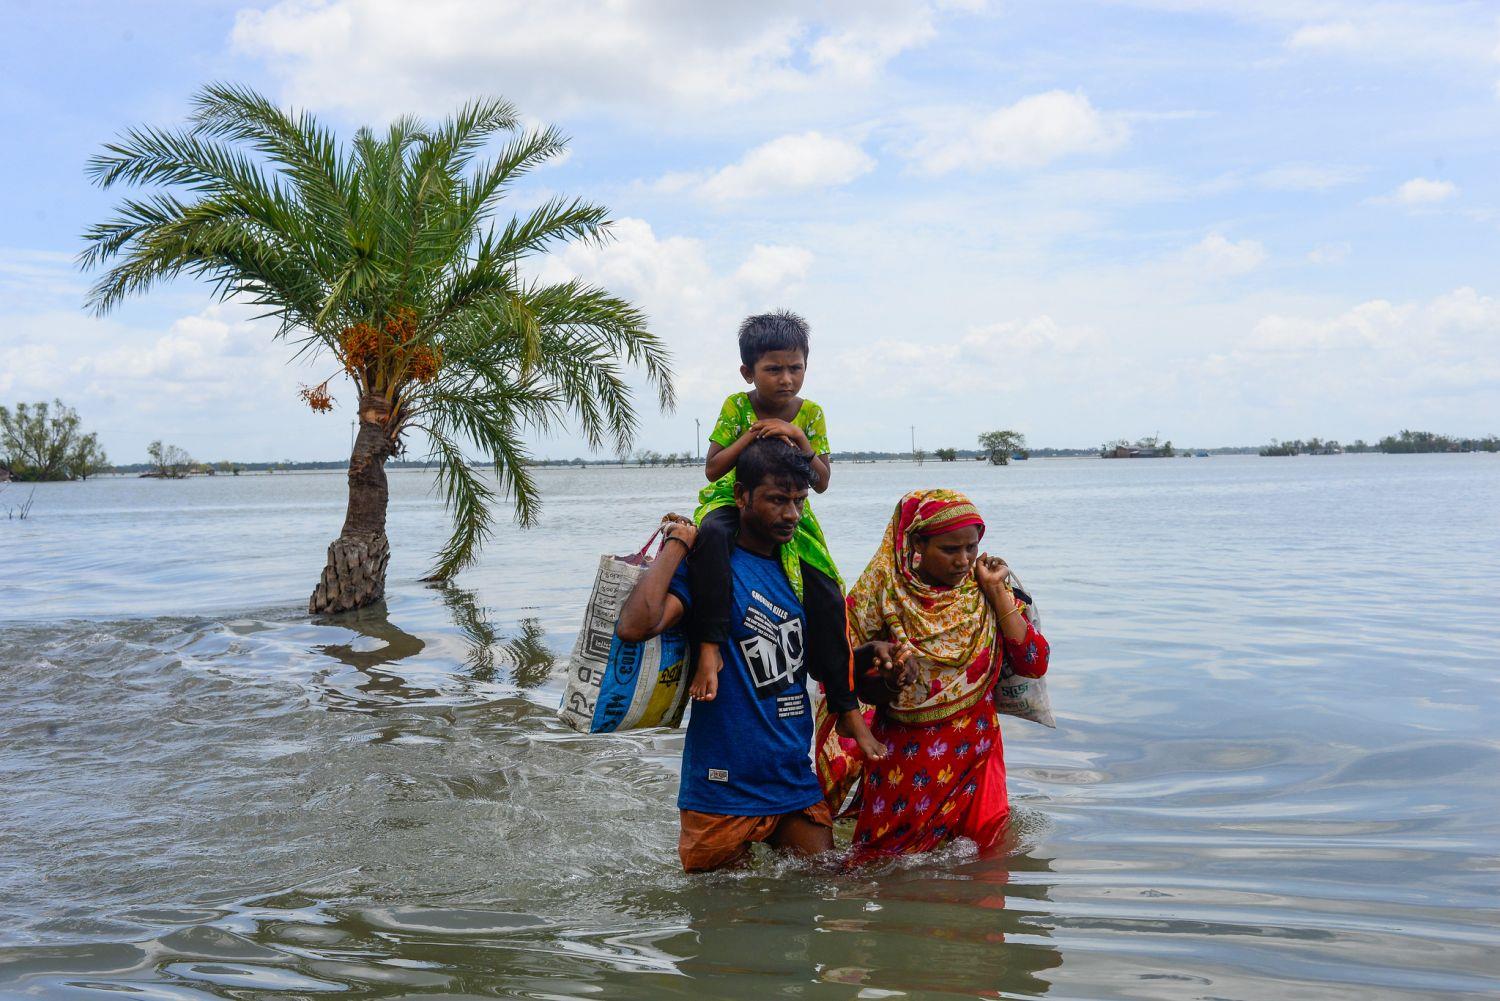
[[748, 752]]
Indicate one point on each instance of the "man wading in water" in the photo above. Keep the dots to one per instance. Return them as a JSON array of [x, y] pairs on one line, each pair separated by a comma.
[[746, 770]]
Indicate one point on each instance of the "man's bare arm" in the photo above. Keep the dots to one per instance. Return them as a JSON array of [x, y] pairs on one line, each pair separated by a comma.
[[651, 609]]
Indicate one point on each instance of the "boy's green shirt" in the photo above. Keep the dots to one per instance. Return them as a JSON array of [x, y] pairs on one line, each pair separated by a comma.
[[735, 418]]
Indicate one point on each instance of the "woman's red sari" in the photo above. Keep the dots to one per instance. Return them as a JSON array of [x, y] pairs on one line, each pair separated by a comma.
[[945, 775]]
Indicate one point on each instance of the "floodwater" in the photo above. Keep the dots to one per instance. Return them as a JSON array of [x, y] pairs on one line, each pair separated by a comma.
[[1276, 772]]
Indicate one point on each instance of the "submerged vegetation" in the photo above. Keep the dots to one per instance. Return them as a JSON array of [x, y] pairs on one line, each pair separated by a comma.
[[1402, 443], [168, 462], [1427, 441], [42, 442], [385, 255], [651, 457], [999, 446], [21, 513]]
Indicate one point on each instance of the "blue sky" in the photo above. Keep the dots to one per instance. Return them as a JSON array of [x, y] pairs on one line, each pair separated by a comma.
[[1220, 221]]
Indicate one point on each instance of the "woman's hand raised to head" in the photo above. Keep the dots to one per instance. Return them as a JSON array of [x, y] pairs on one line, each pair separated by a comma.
[[991, 572]]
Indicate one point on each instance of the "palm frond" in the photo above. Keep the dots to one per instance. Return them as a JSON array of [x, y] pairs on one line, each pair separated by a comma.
[[159, 239], [575, 307], [519, 157], [556, 219], [468, 500], [465, 132], [491, 422], [297, 142]]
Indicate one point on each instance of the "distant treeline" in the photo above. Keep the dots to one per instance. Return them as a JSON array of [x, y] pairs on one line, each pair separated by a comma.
[[1403, 443], [1427, 441], [235, 468]]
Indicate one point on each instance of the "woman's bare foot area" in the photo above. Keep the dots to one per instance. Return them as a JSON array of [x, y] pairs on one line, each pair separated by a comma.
[[705, 683], [852, 725]]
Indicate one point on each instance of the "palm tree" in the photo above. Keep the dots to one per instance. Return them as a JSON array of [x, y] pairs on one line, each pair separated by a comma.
[[385, 254]]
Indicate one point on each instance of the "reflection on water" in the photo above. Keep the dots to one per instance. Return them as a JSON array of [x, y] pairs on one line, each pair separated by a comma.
[[963, 927], [525, 653], [1275, 773], [380, 644]]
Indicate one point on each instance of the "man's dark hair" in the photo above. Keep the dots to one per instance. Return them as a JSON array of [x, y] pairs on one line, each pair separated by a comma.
[[772, 459], [782, 330]]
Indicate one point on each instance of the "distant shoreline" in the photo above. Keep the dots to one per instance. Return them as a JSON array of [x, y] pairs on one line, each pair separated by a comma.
[[968, 455], [849, 458]]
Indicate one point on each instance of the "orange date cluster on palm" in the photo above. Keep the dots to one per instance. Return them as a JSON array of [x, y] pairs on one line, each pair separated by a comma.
[[389, 351], [317, 397]]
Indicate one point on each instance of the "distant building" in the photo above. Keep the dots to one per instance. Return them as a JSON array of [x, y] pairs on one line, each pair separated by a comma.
[[1133, 452]]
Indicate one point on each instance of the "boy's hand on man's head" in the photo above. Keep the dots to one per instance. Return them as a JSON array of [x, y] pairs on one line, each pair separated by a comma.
[[772, 427]]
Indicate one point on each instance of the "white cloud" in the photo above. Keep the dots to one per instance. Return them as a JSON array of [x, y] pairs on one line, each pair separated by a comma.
[[1329, 253], [690, 301], [673, 276], [1377, 362], [213, 381], [1422, 191], [386, 56], [771, 268], [1003, 355], [1217, 256], [200, 360], [1387, 30], [862, 45], [30, 371], [1222, 374], [1330, 34], [1308, 177], [1032, 132], [785, 165]]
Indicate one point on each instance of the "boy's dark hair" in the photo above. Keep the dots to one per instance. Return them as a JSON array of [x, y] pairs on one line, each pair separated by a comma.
[[782, 330], [772, 459]]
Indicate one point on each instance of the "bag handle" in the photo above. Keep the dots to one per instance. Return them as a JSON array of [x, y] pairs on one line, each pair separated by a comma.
[[641, 555]]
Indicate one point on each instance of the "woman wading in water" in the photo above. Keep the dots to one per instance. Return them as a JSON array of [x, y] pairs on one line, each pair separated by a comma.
[[955, 623]]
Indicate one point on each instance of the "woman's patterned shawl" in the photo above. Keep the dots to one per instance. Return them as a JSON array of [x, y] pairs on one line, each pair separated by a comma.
[[953, 630]]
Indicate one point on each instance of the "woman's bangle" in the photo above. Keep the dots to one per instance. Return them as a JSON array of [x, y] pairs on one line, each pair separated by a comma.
[[673, 538], [1008, 614]]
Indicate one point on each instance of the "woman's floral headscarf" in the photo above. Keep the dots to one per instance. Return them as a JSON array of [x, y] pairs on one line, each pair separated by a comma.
[[952, 629]]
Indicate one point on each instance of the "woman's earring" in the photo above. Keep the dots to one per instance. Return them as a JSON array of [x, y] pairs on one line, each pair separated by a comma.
[[916, 560]]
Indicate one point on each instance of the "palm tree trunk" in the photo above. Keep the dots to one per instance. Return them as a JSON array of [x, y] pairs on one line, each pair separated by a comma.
[[355, 574]]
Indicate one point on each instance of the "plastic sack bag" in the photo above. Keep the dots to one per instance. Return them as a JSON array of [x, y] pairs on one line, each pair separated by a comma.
[[615, 685], [1016, 695]]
